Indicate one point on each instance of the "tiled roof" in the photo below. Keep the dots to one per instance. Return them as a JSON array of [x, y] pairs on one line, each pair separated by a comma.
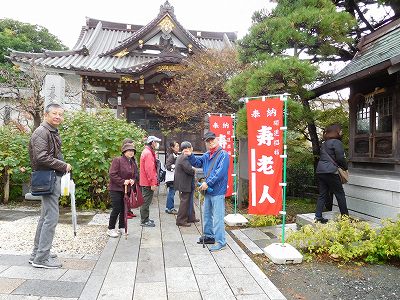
[[376, 52], [100, 38]]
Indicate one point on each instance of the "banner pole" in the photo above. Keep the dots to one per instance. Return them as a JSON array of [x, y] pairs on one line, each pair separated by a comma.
[[284, 98], [234, 164]]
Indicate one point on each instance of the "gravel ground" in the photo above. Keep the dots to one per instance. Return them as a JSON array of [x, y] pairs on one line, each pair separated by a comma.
[[324, 280], [17, 237]]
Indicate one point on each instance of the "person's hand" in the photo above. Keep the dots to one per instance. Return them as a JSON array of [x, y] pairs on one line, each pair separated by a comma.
[[127, 181], [153, 187], [69, 168], [204, 186], [132, 182]]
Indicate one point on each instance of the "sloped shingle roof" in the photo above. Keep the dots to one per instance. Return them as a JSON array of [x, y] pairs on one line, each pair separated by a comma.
[[98, 38], [378, 51]]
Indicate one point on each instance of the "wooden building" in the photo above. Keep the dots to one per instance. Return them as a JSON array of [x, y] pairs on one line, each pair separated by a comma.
[[374, 104], [124, 64]]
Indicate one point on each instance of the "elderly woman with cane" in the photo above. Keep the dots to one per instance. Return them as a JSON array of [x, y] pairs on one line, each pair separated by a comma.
[[123, 171]]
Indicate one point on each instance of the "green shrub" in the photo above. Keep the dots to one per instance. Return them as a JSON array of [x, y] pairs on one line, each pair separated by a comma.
[[386, 242], [90, 142], [346, 239], [14, 157], [262, 221]]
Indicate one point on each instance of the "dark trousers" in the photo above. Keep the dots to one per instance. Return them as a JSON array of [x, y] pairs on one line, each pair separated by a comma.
[[186, 209], [145, 208], [117, 202], [330, 183]]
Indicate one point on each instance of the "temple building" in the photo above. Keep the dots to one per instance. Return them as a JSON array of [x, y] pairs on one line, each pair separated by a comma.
[[373, 77], [124, 64]]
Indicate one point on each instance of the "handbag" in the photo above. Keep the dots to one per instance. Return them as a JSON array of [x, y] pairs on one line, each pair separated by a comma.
[[43, 182], [135, 198], [343, 174]]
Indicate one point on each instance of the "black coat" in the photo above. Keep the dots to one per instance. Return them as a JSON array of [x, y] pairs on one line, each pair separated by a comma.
[[184, 174], [335, 149]]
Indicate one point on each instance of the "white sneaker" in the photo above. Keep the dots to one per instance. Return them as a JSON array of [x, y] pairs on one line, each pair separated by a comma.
[[112, 233], [122, 231]]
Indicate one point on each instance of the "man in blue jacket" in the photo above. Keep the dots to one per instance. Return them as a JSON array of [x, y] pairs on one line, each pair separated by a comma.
[[215, 164]]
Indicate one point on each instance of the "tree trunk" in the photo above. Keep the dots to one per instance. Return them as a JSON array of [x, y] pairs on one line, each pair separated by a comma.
[[37, 119], [6, 186], [312, 131]]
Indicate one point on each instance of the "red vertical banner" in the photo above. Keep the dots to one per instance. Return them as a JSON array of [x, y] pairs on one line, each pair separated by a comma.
[[265, 145], [222, 126]]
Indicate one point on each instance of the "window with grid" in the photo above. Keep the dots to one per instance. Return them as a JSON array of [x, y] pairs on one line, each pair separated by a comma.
[[363, 118], [383, 114]]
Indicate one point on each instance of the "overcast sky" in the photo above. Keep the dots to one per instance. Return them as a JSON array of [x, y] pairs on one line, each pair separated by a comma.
[[64, 19]]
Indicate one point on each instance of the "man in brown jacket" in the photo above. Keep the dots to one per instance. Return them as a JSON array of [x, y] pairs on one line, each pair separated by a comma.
[[184, 183], [45, 154]]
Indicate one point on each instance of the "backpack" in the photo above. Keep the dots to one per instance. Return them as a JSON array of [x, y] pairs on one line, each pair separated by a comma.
[[160, 171]]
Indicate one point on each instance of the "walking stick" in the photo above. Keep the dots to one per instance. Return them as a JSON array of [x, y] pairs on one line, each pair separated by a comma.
[[201, 218]]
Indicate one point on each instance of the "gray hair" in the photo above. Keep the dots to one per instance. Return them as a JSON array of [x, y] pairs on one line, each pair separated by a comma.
[[185, 145], [50, 106]]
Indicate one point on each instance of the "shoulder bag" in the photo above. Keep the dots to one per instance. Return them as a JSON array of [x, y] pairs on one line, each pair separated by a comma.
[[43, 182]]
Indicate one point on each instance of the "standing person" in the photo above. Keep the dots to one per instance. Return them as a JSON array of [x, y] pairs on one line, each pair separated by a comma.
[[215, 163], [45, 154], [332, 152], [169, 179], [184, 183], [123, 171], [148, 178], [130, 141]]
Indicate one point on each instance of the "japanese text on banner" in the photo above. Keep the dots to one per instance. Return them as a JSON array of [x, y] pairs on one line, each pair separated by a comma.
[[265, 138], [222, 126]]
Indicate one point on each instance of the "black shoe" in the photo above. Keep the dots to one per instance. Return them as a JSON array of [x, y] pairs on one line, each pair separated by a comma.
[[207, 240], [321, 220]]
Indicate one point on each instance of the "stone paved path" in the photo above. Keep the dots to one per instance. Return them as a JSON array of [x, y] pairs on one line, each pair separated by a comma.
[[163, 262]]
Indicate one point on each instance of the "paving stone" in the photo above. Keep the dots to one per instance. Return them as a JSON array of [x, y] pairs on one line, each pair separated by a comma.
[[2, 268], [57, 298], [185, 295], [76, 276], [204, 264], [92, 288], [226, 259], [127, 249], [150, 265], [253, 297], [253, 248], [91, 257], [78, 264], [268, 287], [50, 288], [180, 279], [175, 255], [241, 282], [106, 256], [116, 286], [13, 260], [264, 243], [276, 231], [7, 285], [254, 233], [18, 297], [214, 286], [150, 290], [30, 272], [151, 237]]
